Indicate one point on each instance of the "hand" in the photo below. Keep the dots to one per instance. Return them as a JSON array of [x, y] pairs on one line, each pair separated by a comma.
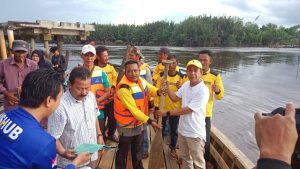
[[162, 113], [81, 159], [178, 84], [100, 140], [11, 98], [276, 136], [112, 91], [69, 154], [155, 125], [215, 88]]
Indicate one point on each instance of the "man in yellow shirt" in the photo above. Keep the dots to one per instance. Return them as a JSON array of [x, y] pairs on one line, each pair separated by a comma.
[[131, 114], [163, 53], [214, 83], [102, 62], [174, 79]]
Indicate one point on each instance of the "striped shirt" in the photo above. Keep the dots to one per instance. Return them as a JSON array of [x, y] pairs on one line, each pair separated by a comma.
[[74, 123]]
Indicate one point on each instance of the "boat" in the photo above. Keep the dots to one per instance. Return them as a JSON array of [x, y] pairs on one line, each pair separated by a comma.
[[224, 154]]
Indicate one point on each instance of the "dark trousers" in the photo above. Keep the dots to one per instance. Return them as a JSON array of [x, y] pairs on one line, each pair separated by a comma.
[[109, 113], [136, 144], [173, 123], [207, 143]]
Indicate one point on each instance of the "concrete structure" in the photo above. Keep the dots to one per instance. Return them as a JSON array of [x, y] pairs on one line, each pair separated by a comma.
[[29, 31]]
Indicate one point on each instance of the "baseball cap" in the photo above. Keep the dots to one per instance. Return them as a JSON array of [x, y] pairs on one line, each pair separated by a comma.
[[195, 63], [88, 48], [20, 45]]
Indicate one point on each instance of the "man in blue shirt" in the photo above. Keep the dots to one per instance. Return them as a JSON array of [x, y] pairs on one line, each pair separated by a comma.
[[23, 141]]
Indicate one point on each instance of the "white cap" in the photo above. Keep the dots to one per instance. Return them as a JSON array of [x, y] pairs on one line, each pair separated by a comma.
[[88, 48]]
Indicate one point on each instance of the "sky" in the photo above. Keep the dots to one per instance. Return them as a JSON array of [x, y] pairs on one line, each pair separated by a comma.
[[280, 12]]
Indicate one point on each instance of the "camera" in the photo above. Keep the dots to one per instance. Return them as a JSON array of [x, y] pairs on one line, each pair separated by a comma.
[[296, 154]]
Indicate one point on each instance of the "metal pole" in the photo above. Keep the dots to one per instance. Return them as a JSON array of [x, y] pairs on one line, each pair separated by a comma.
[[2, 45]]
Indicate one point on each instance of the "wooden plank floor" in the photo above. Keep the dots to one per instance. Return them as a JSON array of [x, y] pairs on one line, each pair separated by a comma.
[[107, 161]]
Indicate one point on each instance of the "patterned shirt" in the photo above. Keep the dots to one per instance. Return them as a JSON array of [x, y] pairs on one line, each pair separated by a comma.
[[74, 123]]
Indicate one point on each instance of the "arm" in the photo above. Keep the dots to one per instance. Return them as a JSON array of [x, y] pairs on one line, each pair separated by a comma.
[[2, 88], [176, 112], [66, 153], [106, 88], [173, 96], [218, 88], [99, 134]]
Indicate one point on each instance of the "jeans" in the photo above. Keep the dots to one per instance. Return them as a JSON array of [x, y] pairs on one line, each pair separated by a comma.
[[207, 143], [136, 144], [109, 112], [173, 123]]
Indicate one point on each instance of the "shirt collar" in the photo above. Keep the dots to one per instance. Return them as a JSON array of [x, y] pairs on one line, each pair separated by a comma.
[[207, 72]]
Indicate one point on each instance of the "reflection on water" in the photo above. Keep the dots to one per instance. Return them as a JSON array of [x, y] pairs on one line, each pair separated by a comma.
[[255, 79]]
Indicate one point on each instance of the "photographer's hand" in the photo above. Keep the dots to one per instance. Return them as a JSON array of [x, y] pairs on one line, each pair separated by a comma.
[[276, 136]]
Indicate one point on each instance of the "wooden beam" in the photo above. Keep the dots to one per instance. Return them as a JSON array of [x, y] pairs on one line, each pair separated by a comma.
[[11, 38], [2, 45]]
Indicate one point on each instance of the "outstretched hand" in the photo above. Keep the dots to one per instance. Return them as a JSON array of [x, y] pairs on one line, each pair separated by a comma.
[[81, 159], [276, 136]]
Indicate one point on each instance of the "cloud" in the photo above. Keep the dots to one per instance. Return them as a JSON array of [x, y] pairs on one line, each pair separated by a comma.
[[144, 11]]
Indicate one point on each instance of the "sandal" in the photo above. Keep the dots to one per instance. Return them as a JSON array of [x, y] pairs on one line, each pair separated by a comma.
[[173, 154]]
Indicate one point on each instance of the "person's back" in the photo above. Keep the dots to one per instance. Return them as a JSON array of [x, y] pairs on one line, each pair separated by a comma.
[[19, 128]]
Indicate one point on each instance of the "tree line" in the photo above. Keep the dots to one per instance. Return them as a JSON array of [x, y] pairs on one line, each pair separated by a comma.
[[201, 30]]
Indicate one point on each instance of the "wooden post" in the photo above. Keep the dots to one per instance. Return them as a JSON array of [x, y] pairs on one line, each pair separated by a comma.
[[47, 37], [11, 38], [32, 44], [2, 45], [60, 43], [46, 46]]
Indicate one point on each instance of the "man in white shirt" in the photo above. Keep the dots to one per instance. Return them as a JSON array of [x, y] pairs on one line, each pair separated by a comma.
[[191, 129], [75, 120]]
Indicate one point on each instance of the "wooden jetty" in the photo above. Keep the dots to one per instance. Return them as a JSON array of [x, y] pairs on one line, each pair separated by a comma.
[[45, 29]]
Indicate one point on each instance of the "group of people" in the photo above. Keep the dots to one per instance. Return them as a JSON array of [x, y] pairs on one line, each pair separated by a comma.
[[93, 97]]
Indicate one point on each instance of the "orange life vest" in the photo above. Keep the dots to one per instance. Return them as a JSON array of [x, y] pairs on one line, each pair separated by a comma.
[[139, 92], [97, 87]]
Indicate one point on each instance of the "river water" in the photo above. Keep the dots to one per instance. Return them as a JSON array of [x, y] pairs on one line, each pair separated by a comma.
[[255, 79]]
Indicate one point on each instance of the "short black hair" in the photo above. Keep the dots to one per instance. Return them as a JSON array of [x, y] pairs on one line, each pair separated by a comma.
[[101, 49], [130, 62], [79, 72], [53, 49], [208, 52], [38, 85], [172, 56]]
